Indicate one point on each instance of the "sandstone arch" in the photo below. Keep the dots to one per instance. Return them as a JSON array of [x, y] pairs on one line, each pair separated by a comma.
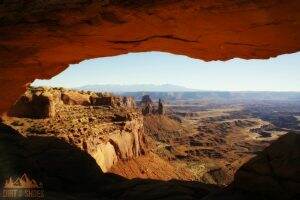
[[38, 39]]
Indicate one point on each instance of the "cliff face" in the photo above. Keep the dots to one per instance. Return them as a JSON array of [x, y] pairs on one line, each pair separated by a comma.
[[41, 38], [109, 130], [123, 144]]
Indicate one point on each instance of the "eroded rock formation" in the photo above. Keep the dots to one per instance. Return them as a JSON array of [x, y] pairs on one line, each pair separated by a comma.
[[148, 107], [39, 39], [42, 102], [109, 129], [160, 109]]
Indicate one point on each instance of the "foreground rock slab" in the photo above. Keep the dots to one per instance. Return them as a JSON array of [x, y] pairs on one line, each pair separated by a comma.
[[276, 170], [273, 174]]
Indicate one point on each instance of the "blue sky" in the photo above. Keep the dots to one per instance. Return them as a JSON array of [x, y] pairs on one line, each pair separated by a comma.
[[276, 74]]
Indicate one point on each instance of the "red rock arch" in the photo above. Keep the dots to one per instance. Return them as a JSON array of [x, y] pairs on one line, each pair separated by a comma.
[[38, 39]]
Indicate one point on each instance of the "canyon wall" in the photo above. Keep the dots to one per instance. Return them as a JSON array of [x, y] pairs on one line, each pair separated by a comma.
[[39, 39], [107, 127], [121, 145]]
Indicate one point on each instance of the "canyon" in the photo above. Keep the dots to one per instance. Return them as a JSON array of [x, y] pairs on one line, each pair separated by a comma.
[[46, 134], [103, 144]]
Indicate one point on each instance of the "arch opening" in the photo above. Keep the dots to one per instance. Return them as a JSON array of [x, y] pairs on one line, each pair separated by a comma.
[[158, 68], [39, 39], [197, 121]]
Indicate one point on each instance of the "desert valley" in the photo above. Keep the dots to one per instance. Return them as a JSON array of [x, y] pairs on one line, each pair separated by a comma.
[[191, 143]]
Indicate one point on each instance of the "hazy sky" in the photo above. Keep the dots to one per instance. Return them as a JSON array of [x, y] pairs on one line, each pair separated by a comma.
[[278, 74]]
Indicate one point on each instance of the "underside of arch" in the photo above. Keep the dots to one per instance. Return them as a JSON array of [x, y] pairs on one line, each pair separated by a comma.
[[39, 39]]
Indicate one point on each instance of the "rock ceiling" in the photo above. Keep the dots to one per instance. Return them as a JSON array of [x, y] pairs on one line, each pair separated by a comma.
[[40, 38]]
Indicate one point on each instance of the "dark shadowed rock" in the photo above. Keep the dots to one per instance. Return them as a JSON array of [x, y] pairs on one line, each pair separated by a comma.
[[146, 99], [160, 109], [38, 105], [147, 105], [57, 164], [275, 172]]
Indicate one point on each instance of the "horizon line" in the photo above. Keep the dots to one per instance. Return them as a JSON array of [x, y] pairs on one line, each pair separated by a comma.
[[189, 89]]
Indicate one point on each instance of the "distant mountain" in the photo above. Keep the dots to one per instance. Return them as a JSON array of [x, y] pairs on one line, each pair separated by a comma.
[[219, 96], [134, 88], [174, 92]]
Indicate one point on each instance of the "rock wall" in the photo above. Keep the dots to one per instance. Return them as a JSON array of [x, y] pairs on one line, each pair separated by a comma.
[[40, 38]]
